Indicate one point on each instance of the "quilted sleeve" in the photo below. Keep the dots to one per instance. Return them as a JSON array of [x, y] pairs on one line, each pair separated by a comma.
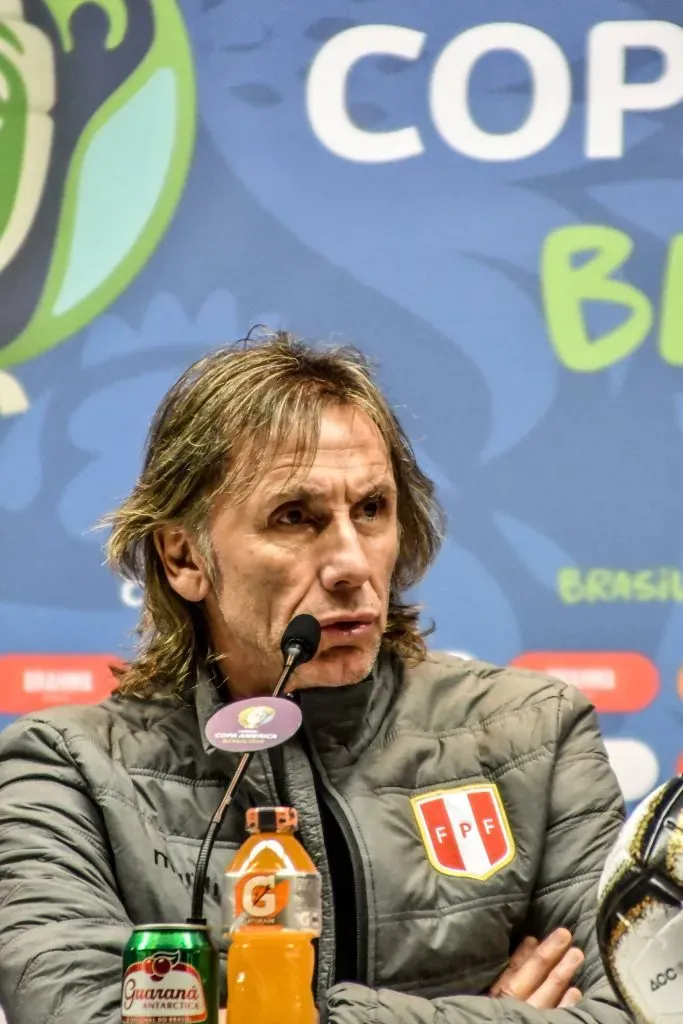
[[62, 924]]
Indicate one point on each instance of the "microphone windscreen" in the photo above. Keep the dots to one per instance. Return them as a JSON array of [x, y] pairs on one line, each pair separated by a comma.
[[304, 632]]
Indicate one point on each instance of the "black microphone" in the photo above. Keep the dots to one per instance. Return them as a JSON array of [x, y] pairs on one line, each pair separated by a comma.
[[299, 644], [301, 639]]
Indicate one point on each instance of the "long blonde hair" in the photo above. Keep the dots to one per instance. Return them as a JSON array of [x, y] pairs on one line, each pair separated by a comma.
[[212, 434]]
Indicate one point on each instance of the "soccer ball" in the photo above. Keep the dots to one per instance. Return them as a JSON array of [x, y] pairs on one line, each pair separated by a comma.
[[640, 909]]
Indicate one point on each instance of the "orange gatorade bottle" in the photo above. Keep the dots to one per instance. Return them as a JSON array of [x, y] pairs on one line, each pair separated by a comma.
[[272, 912]]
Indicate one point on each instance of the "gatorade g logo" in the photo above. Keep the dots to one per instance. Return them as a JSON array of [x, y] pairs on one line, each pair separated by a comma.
[[261, 896], [93, 165], [258, 896]]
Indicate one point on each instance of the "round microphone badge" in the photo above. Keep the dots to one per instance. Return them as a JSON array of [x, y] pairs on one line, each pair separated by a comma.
[[256, 723]]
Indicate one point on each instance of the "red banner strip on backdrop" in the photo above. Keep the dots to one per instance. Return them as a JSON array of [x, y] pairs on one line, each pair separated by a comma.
[[30, 682], [612, 680]]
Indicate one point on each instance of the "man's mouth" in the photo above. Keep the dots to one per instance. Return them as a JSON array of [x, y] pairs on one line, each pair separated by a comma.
[[355, 627]]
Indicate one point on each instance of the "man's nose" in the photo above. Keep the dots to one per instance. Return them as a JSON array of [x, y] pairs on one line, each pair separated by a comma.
[[345, 562]]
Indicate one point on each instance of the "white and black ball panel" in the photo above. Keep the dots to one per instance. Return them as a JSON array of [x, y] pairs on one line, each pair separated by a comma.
[[640, 908]]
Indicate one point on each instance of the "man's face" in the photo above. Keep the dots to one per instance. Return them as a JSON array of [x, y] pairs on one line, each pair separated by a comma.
[[324, 541]]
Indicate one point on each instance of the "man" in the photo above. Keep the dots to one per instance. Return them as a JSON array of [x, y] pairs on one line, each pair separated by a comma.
[[457, 812]]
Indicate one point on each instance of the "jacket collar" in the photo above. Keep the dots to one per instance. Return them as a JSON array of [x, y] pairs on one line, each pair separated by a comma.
[[340, 721], [208, 699]]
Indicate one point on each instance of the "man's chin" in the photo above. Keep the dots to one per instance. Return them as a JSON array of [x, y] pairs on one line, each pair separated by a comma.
[[340, 666]]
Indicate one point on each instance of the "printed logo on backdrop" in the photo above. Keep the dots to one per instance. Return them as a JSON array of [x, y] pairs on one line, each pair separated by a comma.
[[613, 681], [579, 263], [662, 585], [465, 831], [33, 682], [79, 221]]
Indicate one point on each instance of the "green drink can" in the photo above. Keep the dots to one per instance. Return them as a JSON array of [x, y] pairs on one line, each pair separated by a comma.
[[170, 976]]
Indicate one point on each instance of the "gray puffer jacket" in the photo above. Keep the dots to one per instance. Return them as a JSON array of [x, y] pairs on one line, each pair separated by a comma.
[[478, 804]]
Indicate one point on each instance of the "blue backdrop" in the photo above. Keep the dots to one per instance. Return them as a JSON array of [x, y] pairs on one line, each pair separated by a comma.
[[485, 198]]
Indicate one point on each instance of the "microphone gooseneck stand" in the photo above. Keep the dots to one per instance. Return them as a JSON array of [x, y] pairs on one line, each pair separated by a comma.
[[299, 645]]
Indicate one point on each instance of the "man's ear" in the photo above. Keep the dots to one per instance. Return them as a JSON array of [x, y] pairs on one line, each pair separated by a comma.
[[184, 567]]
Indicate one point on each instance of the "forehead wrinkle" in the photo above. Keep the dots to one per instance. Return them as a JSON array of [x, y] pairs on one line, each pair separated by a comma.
[[306, 490], [289, 467]]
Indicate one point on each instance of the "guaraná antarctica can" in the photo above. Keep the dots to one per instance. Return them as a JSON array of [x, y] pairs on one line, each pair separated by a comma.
[[170, 976]]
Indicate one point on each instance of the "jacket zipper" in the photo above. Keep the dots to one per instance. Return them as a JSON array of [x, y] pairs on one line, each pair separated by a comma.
[[282, 786], [333, 802]]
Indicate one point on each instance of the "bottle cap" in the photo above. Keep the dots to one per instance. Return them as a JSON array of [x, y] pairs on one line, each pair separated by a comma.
[[272, 819]]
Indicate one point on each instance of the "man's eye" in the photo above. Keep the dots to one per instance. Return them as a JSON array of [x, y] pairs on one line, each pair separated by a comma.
[[374, 507], [291, 517]]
